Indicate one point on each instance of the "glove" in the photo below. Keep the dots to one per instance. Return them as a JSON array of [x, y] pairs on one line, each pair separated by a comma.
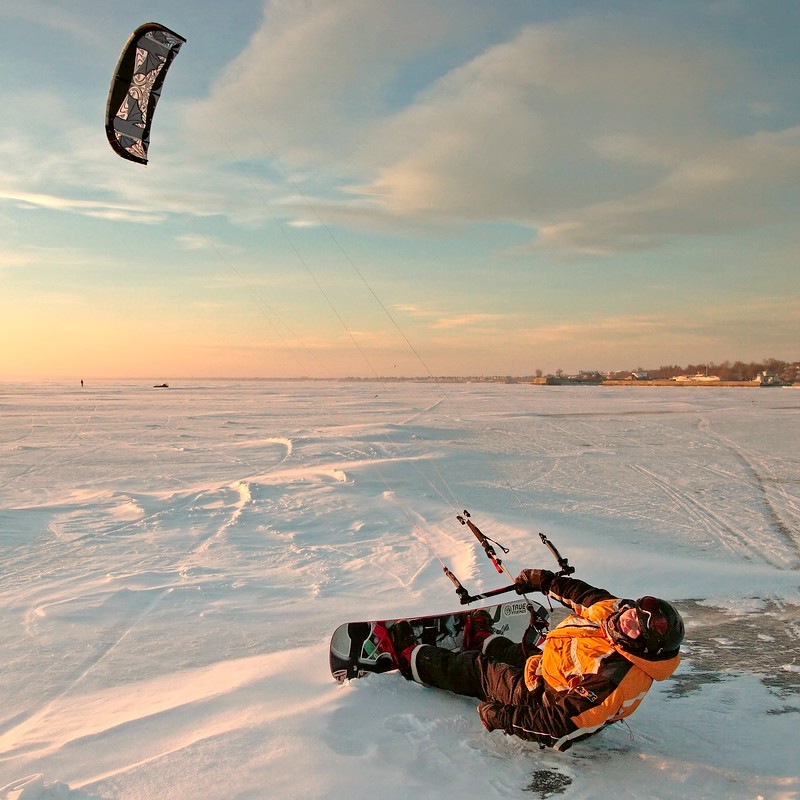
[[534, 580], [487, 712]]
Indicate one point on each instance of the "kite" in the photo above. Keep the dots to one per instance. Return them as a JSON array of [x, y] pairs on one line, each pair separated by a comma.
[[136, 87]]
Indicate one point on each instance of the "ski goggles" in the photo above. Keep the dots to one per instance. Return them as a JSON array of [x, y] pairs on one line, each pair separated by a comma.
[[652, 620]]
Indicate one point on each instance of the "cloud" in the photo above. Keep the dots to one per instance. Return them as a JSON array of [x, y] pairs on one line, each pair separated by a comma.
[[34, 261], [10, 258], [194, 242], [316, 74], [93, 208], [741, 184], [413, 310], [599, 330], [478, 322], [471, 321], [44, 12], [599, 143], [600, 134]]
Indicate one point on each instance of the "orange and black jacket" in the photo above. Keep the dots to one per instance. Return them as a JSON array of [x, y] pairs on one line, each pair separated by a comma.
[[582, 680]]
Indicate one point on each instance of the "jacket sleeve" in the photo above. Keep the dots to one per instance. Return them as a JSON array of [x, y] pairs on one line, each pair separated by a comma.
[[579, 596]]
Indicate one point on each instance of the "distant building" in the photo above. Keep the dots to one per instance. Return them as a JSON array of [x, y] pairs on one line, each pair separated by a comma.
[[589, 376], [767, 378], [697, 378]]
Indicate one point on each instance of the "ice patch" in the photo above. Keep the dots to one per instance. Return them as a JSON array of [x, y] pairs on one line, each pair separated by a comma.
[[736, 605]]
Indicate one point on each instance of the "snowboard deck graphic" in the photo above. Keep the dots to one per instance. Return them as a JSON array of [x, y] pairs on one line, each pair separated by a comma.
[[360, 648]]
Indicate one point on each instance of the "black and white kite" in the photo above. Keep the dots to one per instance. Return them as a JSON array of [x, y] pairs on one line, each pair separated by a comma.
[[136, 87]]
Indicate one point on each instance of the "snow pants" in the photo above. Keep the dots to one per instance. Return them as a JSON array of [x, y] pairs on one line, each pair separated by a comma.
[[496, 675]]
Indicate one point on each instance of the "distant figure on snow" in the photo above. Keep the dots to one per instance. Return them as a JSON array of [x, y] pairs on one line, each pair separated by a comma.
[[592, 670]]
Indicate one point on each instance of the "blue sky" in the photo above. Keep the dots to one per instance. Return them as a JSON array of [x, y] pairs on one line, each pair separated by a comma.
[[400, 188]]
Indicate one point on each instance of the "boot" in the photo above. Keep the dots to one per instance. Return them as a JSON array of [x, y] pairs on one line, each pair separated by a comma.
[[477, 630], [403, 640]]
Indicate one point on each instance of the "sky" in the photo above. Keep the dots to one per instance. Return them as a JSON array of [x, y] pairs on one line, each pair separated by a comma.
[[381, 188]]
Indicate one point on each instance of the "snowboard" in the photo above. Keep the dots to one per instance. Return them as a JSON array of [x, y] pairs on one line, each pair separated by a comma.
[[360, 648]]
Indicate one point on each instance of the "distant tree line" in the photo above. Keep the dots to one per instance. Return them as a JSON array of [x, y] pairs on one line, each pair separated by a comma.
[[726, 371]]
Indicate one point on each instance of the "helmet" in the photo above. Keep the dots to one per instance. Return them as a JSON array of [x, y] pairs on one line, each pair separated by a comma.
[[661, 625]]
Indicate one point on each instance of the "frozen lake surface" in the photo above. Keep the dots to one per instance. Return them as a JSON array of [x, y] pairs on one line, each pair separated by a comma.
[[175, 560]]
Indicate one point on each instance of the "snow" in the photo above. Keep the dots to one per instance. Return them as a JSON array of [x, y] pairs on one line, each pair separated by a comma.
[[175, 561]]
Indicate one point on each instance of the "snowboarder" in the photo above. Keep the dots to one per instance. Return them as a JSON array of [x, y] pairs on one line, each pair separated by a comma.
[[593, 669]]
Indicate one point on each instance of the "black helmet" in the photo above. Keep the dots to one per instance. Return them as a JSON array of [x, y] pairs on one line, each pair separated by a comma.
[[662, 626]]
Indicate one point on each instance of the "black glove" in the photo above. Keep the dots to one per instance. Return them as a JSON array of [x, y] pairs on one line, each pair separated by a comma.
[[534, 580], [488, 713]]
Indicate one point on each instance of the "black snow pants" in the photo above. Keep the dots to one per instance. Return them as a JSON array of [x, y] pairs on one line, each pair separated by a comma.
[[496, 675]]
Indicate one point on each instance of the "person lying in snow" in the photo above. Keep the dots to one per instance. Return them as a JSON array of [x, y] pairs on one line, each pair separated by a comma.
[[592, 670]]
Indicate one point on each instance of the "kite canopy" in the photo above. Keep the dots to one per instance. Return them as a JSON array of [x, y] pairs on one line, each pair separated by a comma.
[[136, 87]]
